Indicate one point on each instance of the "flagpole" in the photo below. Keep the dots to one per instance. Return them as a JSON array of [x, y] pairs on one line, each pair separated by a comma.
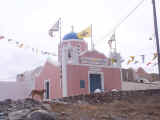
[[60, 51], [60, 31], [60, 23], [115, 41], [91, 39], [156, 34]]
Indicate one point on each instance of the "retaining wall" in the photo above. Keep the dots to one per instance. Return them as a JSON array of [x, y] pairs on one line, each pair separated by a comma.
[[110, 96]]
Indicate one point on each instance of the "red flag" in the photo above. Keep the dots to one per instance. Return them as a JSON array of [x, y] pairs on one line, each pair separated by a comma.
[[1, 37], [149, 63], [110, 43]]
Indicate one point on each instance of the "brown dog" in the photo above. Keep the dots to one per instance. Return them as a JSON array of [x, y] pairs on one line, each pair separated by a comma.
[[38, 92]]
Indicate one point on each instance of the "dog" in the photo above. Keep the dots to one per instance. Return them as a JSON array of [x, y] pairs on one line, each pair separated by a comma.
[[38, 92]]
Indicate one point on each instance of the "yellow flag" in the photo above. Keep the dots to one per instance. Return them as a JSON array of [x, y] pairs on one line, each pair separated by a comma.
[[132, 57], [21, 45], [113, 60], [129, 61], [85, 33]]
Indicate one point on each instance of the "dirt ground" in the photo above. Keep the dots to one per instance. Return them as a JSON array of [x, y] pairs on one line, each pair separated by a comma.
[[142, 108]]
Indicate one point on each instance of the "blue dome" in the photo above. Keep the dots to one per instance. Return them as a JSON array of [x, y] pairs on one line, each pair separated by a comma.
[[69, 36]]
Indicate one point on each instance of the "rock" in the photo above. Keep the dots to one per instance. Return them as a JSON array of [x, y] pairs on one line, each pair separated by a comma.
[[18, 115], [2, 116], [97, 91], [8, 101], [47, 107], [119, 118], [41, 115], [113, 117]]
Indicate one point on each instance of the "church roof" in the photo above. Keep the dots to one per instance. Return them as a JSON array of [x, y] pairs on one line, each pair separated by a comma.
[[94, 54], [71, 35]]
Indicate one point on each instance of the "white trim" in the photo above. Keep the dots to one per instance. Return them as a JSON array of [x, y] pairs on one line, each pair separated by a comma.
[[83, 52], [64, 72], [102, 79], [121, 76], [92, 61], [89, 65], [45, 89]]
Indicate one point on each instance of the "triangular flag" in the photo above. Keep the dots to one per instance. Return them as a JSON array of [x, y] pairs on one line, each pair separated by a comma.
[[9, 40], [136, 62], [54, 28], [129, 61], [21, 45], [32, 49], [113, 60], [132, 58], [143, 57], [113, 37], [1, 37], [148, 63], [110, 43], [17, 42], [155, 56]]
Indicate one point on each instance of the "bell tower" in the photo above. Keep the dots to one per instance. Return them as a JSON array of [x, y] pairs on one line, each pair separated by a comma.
[[69, 52]]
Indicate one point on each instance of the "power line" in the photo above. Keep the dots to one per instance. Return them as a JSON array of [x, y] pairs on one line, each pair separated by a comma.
[[123, 20]]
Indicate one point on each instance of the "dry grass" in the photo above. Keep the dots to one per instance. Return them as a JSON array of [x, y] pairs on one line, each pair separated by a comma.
[[144, 108]]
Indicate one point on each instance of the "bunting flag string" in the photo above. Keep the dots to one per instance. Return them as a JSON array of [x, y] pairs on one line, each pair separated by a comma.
[[22, 45], [132, 59]]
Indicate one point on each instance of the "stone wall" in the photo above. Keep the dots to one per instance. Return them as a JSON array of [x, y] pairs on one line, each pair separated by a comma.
[[126, 85], [110, 96]]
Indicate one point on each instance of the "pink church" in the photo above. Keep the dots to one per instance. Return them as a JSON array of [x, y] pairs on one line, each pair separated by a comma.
[[78, 71]]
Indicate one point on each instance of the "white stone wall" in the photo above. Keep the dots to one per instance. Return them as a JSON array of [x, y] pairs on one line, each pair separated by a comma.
[[139, 86], [13, 90], [21, 88]]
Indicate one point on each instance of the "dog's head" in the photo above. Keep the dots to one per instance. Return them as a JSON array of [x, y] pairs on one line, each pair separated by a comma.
[[44, 90]]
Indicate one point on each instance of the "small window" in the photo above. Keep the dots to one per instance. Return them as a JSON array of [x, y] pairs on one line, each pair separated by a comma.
[[82, 84]]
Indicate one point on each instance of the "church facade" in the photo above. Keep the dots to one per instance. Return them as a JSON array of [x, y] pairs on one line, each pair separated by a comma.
[[78, 71]]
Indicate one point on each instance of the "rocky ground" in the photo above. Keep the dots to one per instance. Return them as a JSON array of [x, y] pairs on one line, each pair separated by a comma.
[[140, 108], [143, 108]]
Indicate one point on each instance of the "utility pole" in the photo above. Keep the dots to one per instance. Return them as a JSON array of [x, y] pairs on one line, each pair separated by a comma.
[[156, 33]]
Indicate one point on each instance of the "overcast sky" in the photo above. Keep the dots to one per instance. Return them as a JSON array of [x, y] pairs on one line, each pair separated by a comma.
[[28, 21]]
